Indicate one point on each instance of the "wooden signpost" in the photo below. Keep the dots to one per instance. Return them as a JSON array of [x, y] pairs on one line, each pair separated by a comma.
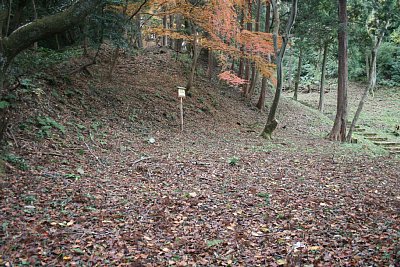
[[181, 95]]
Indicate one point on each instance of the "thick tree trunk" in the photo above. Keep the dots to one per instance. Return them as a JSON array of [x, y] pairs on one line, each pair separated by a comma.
[[322, 83], [338, 131], [298, 74], [272, 123], [178, 42], [196, 53]]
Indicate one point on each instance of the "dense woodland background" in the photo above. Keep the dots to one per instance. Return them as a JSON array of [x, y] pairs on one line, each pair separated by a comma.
[[96, 170]]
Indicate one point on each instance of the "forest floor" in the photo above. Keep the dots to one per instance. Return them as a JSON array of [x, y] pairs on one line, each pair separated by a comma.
[[98, 173]]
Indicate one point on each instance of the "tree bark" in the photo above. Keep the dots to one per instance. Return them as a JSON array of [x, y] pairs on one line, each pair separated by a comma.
[[298, 74], [35, 17], [165, 26], [178, 42], [249, 65], [338, 132], [264, 82], [196, 53], [322, 83], [171, 26], [254, 72], [272, 123], [290, 67], [241, 60], [139, 39]]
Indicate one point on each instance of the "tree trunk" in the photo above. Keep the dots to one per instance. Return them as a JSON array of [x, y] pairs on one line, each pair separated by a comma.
[[254, 72], [290, 67], [165, 26], [272, 123], [322, 83], [298, 74], [367, 64], [264, 82], [178, 42], [338, 132], [196, 53], [371, 85], [263, 93], [139, 40], [171, 26], [35, 17], [249, 65], [113, 63]]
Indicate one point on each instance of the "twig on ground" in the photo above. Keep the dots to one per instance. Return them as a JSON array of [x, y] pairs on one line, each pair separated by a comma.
[[97, 158], [13, 137], [141, 159]]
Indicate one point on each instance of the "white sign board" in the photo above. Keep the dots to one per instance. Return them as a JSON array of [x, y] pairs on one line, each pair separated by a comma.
[[181, 91]]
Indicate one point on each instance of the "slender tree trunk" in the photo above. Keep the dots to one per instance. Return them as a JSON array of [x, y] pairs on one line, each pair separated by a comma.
[[298, 74], [290, 67], [113, 63], [338, 131], [371, 85], [35, 17], [241, 60], [367, 64], [322, 83], [139, 40], [249, 65], [165, 26], [171, 26], [264, 82], [272, 123], [9, 17], [254, 72]]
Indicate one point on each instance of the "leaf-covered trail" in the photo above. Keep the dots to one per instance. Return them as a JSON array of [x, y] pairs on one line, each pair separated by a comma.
[[185, 205], [124, 187]]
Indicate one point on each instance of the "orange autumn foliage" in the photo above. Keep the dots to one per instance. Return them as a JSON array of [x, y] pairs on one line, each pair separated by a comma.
[[218, 23]]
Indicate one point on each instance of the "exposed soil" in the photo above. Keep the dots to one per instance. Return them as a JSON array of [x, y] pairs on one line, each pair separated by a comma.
[[123, 186]]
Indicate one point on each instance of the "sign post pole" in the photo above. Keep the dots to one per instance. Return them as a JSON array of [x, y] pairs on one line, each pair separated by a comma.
[[181, 95], [182, 114]]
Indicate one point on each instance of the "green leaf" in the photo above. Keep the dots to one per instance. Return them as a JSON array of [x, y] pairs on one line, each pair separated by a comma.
[[214, 242], [4, 104], [78, 251]]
